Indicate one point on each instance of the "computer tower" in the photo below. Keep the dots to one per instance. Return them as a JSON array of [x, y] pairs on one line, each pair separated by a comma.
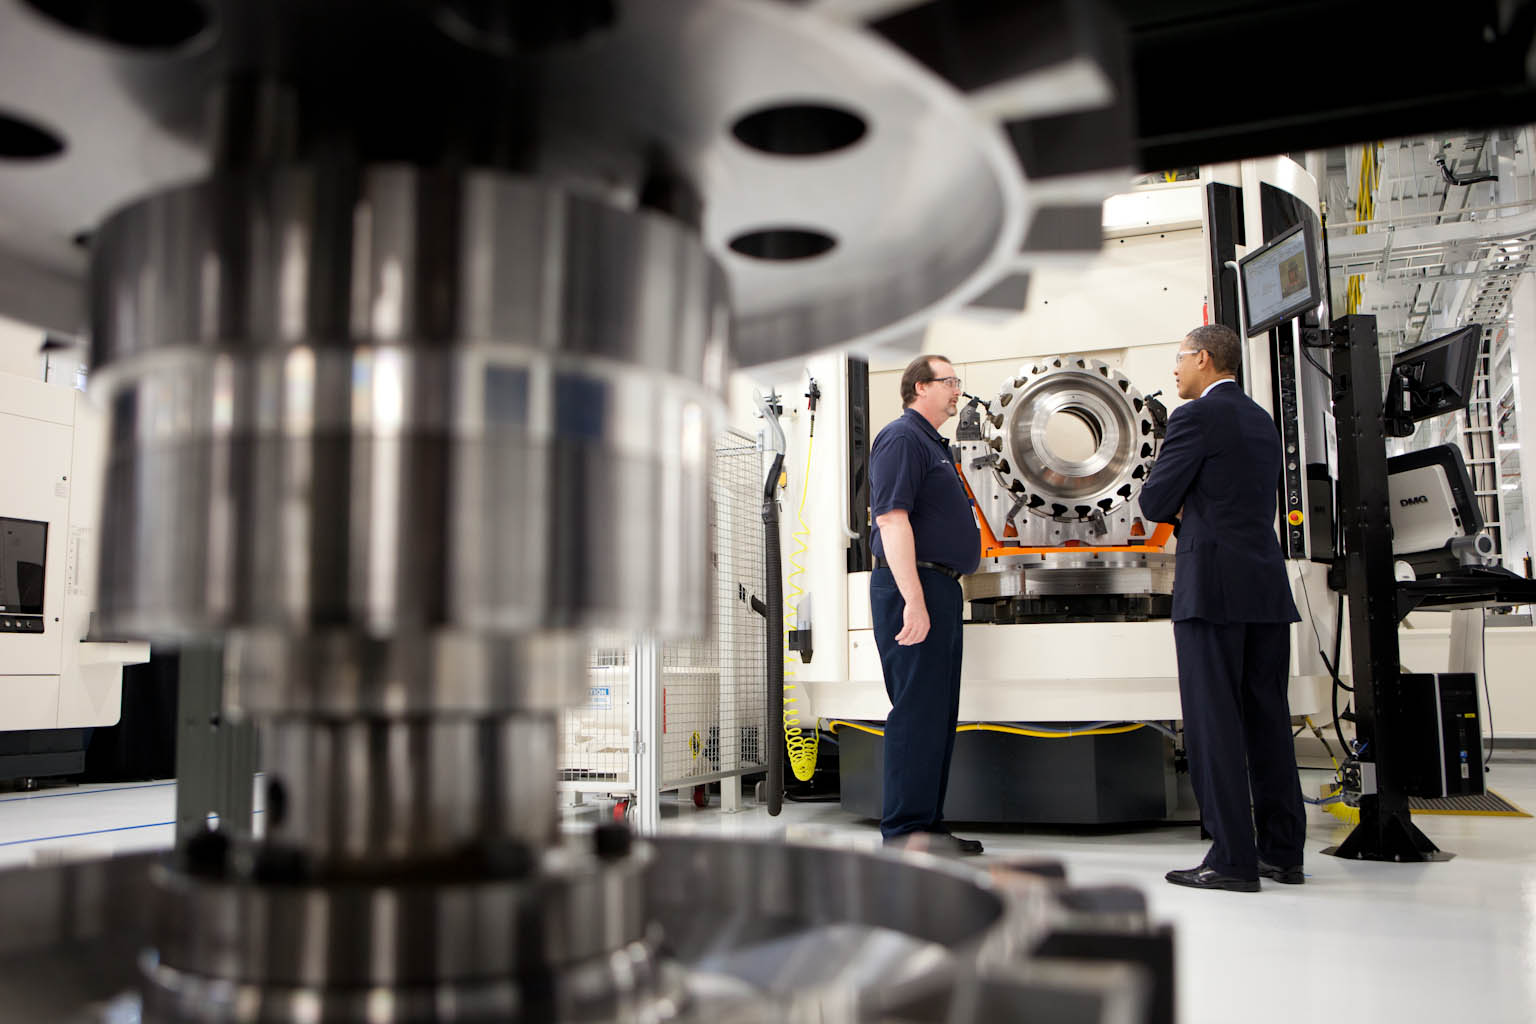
[[1435, 734]]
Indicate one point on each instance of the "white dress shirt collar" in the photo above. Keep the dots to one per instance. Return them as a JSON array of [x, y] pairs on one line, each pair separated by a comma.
[[1216, 384]]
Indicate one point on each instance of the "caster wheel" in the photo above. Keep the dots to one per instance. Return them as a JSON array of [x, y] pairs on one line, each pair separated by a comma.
[[760, 792], [701, 796]]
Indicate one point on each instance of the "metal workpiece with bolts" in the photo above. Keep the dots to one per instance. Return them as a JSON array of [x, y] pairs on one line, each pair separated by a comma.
[[412, 322], [1056, 464]]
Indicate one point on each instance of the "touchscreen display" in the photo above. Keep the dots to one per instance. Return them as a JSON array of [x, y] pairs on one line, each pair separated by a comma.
[[23, 554]]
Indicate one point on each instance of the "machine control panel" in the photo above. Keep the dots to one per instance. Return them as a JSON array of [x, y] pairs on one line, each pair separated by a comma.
[[1293, 488], [21, 623]]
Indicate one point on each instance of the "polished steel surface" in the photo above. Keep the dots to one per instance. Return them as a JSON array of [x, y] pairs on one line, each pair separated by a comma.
[[332, 256], [567, 908], [1099, 397], [628, 986], [931, 179], [1067, 574], [1065, 447], [821, 933], [399, 438], [353, 793], [71, 937], [750, 931], [333, 673], [433, 413]]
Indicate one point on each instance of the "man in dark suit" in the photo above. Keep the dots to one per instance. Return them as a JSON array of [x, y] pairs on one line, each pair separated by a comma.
[[1217, 477]]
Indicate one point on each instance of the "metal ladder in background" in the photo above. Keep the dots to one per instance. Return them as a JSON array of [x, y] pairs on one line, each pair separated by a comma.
[[1488, 304], [1479, 442]]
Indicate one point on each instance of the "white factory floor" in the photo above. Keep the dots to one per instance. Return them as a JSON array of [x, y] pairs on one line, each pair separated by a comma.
[[1360, 942]]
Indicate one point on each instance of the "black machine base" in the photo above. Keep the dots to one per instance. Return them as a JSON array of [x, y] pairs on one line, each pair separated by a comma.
[[1002, 777], [1390, 837], [42, 753], [1073, 608]]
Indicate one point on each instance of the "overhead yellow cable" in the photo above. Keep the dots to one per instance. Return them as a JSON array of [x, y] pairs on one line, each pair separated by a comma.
[[1365, 211]]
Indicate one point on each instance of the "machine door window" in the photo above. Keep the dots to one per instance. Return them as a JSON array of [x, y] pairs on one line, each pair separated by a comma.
[[23, 557]]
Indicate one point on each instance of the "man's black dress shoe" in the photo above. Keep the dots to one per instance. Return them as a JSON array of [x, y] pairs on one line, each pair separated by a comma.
[[936, 842], [969, 847], [1285, 876], [966, 846], [1203, 877]]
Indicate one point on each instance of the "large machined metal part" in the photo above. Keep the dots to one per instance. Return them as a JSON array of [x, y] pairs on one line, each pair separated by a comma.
[[412, 321], [1058, 463], [855, 937], [1064, 449]]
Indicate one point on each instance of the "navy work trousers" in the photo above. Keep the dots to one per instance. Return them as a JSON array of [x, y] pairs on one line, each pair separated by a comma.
[[923, 682], [1233, 681]]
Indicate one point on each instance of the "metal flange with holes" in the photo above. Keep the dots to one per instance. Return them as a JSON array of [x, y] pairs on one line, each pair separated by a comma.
[[1074, 439]]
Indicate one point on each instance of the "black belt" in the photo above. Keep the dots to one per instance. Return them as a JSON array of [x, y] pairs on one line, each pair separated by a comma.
[[881, 563]]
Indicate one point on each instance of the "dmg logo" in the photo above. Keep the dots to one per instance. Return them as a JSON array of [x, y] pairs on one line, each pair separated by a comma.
[[1422, 499]]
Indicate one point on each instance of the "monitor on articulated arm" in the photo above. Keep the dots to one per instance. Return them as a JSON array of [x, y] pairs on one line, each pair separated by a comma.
[[1432, 379], [1279, 279]]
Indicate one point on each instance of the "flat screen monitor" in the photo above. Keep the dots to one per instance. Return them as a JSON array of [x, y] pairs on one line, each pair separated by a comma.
[[1279, 279], [23, 554], [1434, 378]]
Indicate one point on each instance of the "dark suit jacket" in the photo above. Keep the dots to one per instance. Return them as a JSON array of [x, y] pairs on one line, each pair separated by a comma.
[[1220, 461]]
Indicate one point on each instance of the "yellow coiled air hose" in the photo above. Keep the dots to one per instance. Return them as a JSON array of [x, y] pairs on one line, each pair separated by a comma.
[[801, 743]]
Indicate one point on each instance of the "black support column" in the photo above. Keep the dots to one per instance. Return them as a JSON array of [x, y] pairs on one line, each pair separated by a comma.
[[1386, 831], [858, 465]]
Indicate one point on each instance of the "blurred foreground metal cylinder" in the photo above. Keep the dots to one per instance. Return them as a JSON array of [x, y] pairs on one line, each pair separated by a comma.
[[399, 402], [402, 438]]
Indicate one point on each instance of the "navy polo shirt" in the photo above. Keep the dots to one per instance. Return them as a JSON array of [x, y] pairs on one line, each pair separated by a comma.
[[910, 468]]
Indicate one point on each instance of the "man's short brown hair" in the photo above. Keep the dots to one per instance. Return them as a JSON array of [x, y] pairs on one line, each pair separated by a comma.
[[1222, 343], [918, 371]]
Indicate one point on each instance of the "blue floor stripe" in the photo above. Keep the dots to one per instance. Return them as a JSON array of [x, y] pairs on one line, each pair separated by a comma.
[[84, 792], [93, 832], [101, 831]]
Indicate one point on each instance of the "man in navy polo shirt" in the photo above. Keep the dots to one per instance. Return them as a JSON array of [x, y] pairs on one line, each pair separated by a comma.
[[925, 539]]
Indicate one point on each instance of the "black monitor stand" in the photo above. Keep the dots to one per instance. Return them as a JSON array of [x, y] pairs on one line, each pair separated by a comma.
[[1386, 831]]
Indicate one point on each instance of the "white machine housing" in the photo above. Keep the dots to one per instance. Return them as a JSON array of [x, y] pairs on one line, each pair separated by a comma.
[[55, 677]]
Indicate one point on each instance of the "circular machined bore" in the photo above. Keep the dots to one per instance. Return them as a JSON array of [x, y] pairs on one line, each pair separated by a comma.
[[22, 139], [800, 129], [143, 25], [778, 245], [1077, 439], [1073, 434]]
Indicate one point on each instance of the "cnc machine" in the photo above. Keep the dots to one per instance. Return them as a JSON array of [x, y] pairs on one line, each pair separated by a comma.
[[57, 681], [1069, 701]]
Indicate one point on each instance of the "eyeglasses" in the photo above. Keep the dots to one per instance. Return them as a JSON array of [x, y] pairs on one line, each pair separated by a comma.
[[949, 382], [1186, 352]]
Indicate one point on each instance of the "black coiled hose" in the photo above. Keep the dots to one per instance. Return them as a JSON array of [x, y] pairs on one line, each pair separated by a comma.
[[773, 573]]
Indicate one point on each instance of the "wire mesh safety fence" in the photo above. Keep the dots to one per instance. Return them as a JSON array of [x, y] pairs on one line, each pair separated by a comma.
[[712, 720], [713, 711], [598, 736]]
